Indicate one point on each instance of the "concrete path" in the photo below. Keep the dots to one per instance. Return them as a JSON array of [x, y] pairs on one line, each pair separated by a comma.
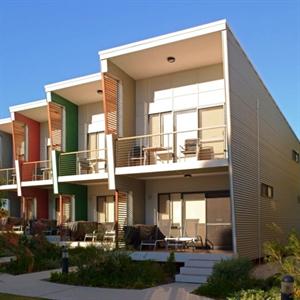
[[34, 285]]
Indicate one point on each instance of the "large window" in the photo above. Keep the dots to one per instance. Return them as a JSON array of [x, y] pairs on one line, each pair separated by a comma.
[[64, 214], [105, 209], [161, 127]]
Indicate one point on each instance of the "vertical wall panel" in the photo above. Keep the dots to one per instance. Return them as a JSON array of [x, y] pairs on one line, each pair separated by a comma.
[[261, 147]]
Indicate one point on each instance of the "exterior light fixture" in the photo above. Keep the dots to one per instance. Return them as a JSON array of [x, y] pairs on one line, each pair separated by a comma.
[[171, 59], [99, 91], [187, 175]]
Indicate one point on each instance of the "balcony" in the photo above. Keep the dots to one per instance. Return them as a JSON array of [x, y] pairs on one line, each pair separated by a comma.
[[87, 162], [202, 144], [36, 170], [8, 176]]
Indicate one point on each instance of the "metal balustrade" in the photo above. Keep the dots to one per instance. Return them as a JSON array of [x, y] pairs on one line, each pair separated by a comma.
[[36, 170], [165, 148], [82, 162], [8, 176]]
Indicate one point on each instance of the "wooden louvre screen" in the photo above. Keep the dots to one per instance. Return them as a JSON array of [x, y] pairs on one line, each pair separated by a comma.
[[122, 217], [19, 138], [55, 113], [110, 101]]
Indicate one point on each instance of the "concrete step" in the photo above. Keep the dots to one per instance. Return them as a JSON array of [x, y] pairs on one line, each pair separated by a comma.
[[200, 263], [195, 271], [190, 278]]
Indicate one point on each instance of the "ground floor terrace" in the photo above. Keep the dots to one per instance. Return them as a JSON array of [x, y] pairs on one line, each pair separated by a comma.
[[187, 205]]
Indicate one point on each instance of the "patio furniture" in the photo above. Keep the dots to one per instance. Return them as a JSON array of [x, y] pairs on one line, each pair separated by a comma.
[[136, 156], [84, 166], [205, 153], [110, 233], [92, 236], [165, 227]]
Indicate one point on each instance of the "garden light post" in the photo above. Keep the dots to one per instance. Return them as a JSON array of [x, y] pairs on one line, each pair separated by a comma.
[[287, 288], [65, 260]]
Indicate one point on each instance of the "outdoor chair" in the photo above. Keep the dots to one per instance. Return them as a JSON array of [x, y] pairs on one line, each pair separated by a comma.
[[90, 236], [110, 232], [165, 227]]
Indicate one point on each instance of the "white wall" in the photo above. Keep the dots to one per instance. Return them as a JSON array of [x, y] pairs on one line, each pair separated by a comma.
[[199, 87], [87, 114], [180, 185]]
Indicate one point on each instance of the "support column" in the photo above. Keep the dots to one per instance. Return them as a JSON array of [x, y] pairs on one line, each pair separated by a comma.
[[117, 218], [60, 209], [23, 207]]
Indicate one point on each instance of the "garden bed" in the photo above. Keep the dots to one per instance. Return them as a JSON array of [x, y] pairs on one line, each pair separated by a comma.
[[116, 269]]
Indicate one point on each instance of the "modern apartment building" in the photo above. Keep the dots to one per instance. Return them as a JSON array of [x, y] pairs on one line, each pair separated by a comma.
[[175, 127]]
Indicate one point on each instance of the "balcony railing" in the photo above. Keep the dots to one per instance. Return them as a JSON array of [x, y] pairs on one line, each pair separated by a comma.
[[8, 176], [36, 170], [200, 144], [82, 162]]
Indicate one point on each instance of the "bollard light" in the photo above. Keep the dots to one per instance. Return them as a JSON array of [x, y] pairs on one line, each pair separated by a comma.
[[65, 260], [287, 288]]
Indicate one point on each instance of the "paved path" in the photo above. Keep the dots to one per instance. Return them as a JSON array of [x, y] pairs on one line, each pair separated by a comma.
[[34, 285]]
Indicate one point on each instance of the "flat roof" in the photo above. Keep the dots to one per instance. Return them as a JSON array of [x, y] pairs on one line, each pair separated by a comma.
[[73, 82], [164, 39]]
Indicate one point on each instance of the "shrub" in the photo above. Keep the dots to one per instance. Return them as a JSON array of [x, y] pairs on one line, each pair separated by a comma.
[[170, 265], [112, 269], [287, 256], [256, 294], [228, 276]]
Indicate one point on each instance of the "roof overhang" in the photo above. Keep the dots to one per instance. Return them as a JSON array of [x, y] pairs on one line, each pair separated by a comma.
[[195, 47], [80, 90], [5, 125], [35, 110]]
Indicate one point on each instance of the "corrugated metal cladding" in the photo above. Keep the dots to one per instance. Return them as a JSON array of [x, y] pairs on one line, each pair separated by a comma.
[[261, 147]]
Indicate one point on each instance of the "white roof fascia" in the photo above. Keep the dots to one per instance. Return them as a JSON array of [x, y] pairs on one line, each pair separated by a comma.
[[164, 39], [72, 82], [29, 105], [5, 121]]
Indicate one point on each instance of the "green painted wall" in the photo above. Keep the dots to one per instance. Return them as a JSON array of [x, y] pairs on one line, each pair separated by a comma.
[[81, 195], [71, 111]]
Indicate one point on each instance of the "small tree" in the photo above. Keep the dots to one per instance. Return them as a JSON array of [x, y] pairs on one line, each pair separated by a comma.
[[287, 256]]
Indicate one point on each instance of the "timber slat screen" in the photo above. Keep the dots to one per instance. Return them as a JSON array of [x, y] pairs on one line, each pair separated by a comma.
[[55, 113], [122, 218], [19, 136], [110, 100]]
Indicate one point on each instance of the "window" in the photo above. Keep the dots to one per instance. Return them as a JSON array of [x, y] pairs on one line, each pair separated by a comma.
[[267, 191], [105, 209], [161, 126], [96, 144], [296, 156]]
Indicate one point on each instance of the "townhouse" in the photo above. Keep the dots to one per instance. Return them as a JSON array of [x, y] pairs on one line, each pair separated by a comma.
[[176, 127]]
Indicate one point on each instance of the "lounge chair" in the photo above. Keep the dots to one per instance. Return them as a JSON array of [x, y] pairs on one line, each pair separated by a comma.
[[165, 227]]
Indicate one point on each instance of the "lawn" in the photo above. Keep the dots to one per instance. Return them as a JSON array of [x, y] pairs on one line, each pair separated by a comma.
[[15, 297]]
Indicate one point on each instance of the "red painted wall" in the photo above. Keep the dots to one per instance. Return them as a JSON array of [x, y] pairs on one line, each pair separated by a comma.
[[33, 145], [33, 136], [41, 196]]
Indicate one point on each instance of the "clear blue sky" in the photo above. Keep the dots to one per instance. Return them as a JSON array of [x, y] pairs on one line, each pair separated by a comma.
[[45, 41]]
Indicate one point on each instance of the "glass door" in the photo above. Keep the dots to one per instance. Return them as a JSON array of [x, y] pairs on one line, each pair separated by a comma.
[[30, 208], [186, 125], [194, 218], [64, 214]]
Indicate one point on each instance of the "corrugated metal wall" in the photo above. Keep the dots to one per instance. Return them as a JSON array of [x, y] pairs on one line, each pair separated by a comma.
[[261, 151]]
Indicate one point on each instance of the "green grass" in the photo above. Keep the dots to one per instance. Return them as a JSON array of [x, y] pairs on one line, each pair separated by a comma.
[[15, 297]]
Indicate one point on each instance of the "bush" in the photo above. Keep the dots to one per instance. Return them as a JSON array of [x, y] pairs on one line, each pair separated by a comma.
[[170, 265], [228, 277], [112, 269], [287, 256], [256, 294], [32, 254]]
